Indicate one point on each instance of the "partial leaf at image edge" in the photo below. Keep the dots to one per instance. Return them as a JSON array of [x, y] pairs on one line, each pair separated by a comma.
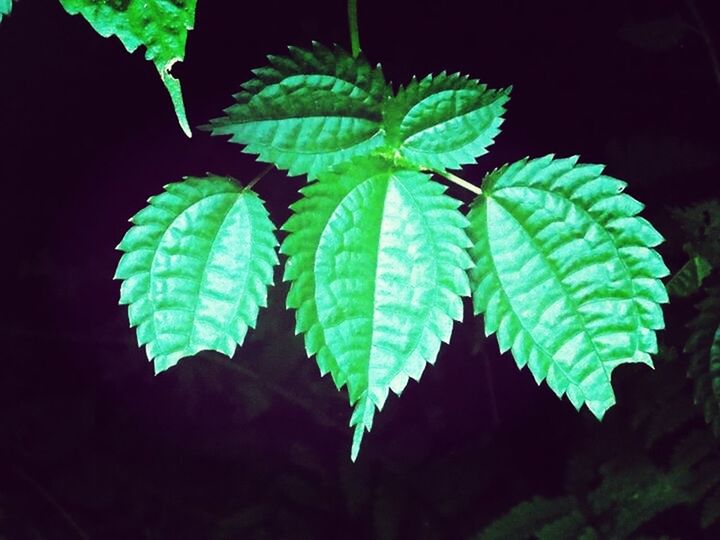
[[196, 266], [376, 259], [308, 111], [703, 350], [162, 27], [566, 275], [5, 8]]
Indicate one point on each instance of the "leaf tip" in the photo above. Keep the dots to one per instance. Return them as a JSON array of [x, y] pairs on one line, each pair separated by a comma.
[[357, 441]]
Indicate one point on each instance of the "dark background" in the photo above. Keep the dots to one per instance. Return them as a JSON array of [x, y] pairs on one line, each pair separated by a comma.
[[93, 445]]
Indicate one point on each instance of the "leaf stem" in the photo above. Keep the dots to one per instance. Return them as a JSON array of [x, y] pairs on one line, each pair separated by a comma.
[[705, 34], [259, 177], [354, 32], [457, 180], [47, 496]]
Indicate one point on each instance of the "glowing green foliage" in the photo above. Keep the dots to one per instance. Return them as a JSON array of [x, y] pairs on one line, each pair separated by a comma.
[[533, 516], [700, 224], [624, 479], [161, 26], [688, 279], [197, 264], [5, 8], [445, 121], [565, 274], [309, 110], [377, 263], [703, 349]]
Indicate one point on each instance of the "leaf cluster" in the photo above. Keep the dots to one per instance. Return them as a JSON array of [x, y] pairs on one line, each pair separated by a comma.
[[379, 256]]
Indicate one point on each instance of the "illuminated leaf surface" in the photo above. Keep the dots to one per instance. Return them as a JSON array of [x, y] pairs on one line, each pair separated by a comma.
[[5, 8], [377, 262], [160, 25], [703, 349], [445, 121], [308, 111], [566, 275], [197, 264]]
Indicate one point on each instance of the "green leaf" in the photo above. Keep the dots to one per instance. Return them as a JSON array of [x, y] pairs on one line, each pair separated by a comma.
[[5, 8], [377, 263], [160, 25], [700, 224], [565, 275], [528, 517], [197, 264], [688, 279], [710, 512], [444, 122], [632, 492], [701, 347], [308, 111], [715, 363]]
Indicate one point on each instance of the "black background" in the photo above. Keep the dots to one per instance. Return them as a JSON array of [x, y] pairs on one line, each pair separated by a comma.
[[93, 444]]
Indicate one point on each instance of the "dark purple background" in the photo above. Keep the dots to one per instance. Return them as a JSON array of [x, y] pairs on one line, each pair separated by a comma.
[[87, 134]]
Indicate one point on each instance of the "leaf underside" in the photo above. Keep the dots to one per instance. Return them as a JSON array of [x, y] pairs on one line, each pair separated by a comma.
[[445, 121], [308, 111], [703, 349], [377, 260], [566, 275], [197, 264], [159, 25]]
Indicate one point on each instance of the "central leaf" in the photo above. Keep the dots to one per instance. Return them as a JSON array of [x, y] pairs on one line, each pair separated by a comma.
[[377, 260]]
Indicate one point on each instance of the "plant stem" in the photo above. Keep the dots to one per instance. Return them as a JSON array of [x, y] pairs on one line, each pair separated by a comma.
[[47, 496], [457, 180], [259, 177], [709, 45], [354, 33]]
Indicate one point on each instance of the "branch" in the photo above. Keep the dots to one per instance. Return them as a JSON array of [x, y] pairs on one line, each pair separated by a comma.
[[45, 494], [703, 31], [354, 32], [457, 180], [259, 177]]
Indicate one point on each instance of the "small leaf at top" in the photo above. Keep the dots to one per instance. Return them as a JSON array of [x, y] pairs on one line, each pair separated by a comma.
[[308, 111], [160, 25], [445, 121], [377, 260], [566, 275], [197, 264]]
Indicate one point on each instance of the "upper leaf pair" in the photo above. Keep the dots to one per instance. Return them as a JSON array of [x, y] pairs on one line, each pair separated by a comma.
[[320, 107]]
